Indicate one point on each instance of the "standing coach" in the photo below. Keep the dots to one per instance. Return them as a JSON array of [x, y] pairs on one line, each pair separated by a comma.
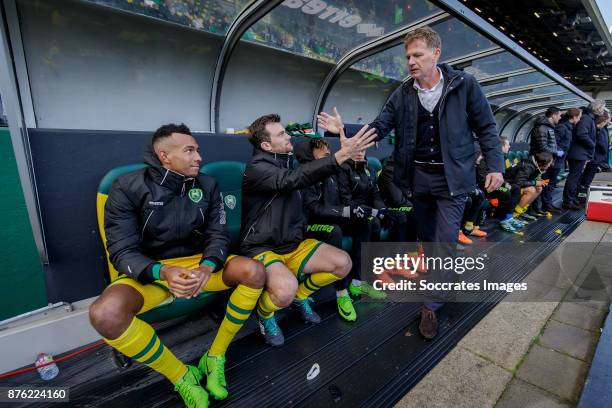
[[436, 115]]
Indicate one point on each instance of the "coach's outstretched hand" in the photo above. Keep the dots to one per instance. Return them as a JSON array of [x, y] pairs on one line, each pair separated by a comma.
[[364, 139], [332, 124]]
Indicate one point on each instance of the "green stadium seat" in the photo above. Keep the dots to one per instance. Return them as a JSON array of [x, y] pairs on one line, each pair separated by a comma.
[[384, 234], [347, 243], [229, 177], [374, 163]]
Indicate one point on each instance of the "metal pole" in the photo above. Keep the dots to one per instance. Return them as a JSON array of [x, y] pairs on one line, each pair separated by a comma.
[[19, 138]]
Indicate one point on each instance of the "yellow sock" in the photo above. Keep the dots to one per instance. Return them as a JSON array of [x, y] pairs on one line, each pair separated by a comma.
[[469, 225], [140, 342], [265, 306], [314, 282], [239, 308], [518, 210]]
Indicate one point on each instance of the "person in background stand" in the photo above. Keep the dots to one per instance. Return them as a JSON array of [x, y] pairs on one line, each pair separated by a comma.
[[581, 150], [543, 139], [600, 157], [563, 135]]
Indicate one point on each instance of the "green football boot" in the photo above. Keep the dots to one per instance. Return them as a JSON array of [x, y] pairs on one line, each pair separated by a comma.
[[366, 289], [346, 309], [515, 223], [507, 226], [214, 369], [190, 390]]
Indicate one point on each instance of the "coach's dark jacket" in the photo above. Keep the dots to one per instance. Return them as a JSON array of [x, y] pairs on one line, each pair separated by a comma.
[[154, 214], [464, 114], [583, 139], [563, 134], [602, 149], [273, 216]]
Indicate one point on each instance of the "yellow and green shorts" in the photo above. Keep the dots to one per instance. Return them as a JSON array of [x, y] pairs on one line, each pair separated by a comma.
[[295, 260], [157, 293]]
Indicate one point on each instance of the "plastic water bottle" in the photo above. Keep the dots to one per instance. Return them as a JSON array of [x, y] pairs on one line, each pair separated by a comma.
[[47, 372]]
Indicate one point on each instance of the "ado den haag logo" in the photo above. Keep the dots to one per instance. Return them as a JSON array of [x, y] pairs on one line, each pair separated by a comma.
[[230, 201]]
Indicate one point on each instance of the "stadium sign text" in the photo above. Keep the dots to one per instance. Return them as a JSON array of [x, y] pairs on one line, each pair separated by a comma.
[[334, 15]]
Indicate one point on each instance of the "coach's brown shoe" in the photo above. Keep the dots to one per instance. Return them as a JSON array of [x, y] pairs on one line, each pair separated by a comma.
[[429, 323]]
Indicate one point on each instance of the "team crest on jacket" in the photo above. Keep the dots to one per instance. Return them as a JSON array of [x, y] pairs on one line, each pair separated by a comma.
[[230, 201], [195, 195]]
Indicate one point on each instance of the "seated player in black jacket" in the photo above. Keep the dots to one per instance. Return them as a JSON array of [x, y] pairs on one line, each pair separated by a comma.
[[359, 189], [505, 198], [528, 178], [330, 220], [167, 237], [274, 223]]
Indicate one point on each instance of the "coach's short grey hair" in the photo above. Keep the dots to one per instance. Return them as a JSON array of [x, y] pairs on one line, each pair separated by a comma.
[[597, 106]]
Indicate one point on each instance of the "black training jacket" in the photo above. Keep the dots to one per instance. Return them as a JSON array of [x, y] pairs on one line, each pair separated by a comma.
[[321, 200], [358, 185], [602, 146], [542, 137], [563, 133], [527, 173], [272, 209], [391, 194], [584, 137], [154, 214]]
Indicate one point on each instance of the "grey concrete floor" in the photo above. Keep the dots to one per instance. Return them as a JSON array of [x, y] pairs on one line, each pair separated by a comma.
[[526, 353]]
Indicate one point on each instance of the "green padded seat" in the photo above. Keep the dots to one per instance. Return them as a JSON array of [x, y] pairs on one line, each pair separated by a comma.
[[374, 163], [229, 177], [384, 234], [107, 181], [347, 243]]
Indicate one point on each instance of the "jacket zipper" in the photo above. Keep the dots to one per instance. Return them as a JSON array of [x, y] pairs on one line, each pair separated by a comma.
[[441, 107], [252, 227], [145, 225], [443, 99]]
